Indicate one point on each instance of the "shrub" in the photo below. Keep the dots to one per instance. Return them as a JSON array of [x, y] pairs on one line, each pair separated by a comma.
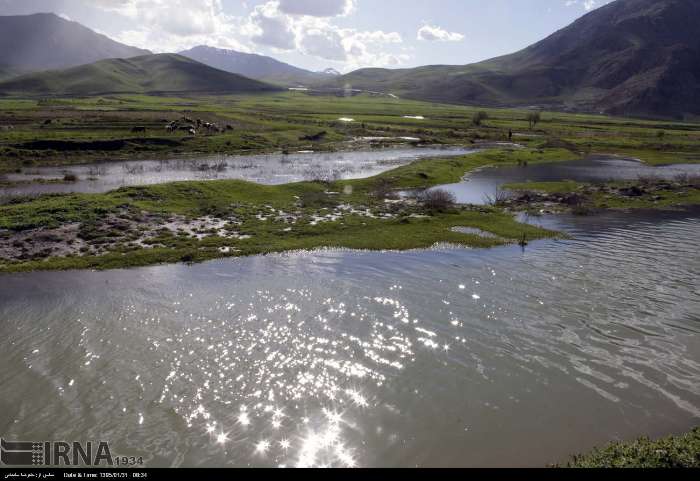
[[479, 118], [383, 189], [497, 199], [534, 118], [317, 200], [438, 200], [672, 452], [188, 257]]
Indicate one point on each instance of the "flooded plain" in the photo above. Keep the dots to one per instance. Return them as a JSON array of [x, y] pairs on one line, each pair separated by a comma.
[[478, 186], [271, 169], [442, 357], [445, 357]]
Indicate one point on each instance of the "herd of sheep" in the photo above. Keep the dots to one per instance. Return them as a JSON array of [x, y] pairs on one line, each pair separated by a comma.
[[192, 127]]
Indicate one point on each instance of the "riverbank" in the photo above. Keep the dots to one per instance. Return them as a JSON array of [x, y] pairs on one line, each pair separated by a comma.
[[198, 221], [585, 199], [670, 452]]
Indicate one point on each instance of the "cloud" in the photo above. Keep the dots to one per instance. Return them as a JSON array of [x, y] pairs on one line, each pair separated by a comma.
[[433, 33], [587, 5], [173, 25], [301, 27], [369, 48], [317, 8], [311, 31], [324, 42], [179, 17], [269, 27]]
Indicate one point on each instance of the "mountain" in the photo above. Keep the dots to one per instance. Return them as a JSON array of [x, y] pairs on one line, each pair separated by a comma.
[[46, 41], [629, 57], [164, 73], [254, 66], [9, 72]]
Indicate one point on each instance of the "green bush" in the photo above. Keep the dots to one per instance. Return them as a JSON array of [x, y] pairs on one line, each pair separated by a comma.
[[671, 452]]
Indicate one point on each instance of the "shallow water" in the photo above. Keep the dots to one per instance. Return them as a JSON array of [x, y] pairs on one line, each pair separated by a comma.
[[447, 357], [478, 186], [273, 169]]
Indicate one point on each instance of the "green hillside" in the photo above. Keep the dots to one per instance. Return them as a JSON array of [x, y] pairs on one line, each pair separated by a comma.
[[164, 73], [8, 72], [629, 57]]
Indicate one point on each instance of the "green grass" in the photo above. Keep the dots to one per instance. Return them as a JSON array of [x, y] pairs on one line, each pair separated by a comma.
[[277, 121], [144, 74], [671, 452], [193, 198], [82, 127], [606, 195], [411, 226], [352, 233]]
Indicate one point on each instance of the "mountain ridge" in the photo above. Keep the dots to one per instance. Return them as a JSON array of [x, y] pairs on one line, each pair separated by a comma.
[[255, 66], [629, 57], [45, 41], [154, 74]]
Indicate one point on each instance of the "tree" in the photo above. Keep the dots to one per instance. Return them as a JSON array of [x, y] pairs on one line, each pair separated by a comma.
[[533, 119], [479, 118]]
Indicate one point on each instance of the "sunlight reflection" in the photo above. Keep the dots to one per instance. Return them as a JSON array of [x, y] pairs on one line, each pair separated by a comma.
[[281, 365]]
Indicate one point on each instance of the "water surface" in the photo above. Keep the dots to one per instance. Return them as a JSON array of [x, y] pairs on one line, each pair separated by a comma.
[[478, 186], [272, 169], [446, 357]]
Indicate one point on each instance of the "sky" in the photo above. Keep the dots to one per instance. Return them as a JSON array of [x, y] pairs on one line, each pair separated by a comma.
[[320, 34]]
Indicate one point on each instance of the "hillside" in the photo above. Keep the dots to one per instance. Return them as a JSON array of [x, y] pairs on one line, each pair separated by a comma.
[[254, 66], [46, 41], [164, 73], [630, 57], [7, 72]]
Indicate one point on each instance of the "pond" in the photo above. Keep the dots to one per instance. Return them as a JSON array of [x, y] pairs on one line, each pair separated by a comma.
[[272, 169], [442, 357]]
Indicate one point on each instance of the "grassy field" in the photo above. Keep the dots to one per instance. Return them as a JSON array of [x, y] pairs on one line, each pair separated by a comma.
[[196, 221], [62, 131], [584, 198], [671, 452], [146, 73]]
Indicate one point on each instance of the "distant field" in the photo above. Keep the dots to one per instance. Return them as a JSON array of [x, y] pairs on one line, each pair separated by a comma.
[[68, 131], [61, 131]]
